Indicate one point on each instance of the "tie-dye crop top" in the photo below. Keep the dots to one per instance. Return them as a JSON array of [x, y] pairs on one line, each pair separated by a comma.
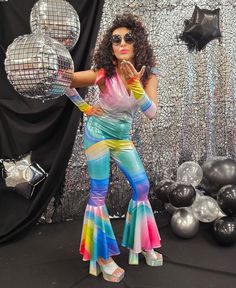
[[115, 99]]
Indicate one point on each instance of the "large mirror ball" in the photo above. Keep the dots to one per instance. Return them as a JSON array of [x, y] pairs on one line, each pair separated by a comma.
[[38, 67], [56, 19]]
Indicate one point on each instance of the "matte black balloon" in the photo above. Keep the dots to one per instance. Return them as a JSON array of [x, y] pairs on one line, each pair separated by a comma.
[[162, 190], [182, 195], [201, 28], [226, 199], [224, 230], [218, 173]]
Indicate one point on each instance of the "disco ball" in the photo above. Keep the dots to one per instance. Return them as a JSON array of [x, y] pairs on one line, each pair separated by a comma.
[[38, 67], [56, 19]]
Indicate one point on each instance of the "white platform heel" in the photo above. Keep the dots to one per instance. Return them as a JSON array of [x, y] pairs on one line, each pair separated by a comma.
[[152, 258], [107, 270]]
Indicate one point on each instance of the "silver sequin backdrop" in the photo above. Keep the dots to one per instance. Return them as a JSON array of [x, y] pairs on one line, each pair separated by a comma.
[[196, 93]]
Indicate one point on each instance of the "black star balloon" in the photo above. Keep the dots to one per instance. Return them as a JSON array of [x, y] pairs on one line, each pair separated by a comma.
[[22, 174], [201, 28]]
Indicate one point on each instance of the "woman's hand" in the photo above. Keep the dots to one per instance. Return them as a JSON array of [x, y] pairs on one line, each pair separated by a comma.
[[95, 110], [130, 72]]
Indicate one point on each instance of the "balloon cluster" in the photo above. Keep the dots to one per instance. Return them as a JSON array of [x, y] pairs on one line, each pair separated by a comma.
[[39, 65], [189, 204], [219, 181]]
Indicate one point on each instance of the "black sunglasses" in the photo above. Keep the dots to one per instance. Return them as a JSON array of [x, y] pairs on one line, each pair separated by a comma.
[[116, 39]]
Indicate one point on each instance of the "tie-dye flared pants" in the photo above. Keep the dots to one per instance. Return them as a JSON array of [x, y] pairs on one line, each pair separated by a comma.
[[140, 230]]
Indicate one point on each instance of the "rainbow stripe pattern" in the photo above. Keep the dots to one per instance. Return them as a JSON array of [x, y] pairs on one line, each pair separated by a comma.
[[147, 106], [108, 137], [140, 232], [98, 239], [74, 96]]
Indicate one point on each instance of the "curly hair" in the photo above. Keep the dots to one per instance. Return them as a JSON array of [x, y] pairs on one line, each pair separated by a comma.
[[143, 52]]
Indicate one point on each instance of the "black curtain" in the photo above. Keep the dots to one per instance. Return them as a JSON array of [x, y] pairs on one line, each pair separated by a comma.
[[47, 129]]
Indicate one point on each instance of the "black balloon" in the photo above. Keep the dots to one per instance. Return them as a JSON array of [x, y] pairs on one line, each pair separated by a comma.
[[224, 230], [201, 28], [218, 173], [182, 195], [226, 199], [162, 190]]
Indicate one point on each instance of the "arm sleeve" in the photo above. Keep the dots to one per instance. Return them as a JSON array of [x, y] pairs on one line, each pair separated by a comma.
[[147, 106], [74, 96]]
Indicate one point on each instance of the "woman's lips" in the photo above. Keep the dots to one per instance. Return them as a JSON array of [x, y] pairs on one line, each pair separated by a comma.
[[124, 51]]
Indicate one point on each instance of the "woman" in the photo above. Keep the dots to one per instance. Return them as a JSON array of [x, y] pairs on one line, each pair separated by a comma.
[[123, 72]]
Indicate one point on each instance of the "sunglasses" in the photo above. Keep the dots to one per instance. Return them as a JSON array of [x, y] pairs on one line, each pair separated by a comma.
[[116, 39]]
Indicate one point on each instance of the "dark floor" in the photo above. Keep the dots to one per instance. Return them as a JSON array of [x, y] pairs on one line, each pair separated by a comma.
[[48, 257]]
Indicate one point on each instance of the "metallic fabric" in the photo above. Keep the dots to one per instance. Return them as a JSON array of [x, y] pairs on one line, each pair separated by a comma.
[[197, 110]]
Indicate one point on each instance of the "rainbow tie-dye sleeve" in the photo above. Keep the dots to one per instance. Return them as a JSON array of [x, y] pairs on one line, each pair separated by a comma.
[[145, 103], [74, 96]]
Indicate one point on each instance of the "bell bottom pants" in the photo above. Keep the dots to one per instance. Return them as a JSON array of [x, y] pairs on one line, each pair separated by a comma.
[[140, 230]]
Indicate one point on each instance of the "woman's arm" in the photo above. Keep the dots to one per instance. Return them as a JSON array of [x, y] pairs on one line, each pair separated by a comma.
[[151, 88], [145, 101], [83, 106], [145, 96], [84, 78]]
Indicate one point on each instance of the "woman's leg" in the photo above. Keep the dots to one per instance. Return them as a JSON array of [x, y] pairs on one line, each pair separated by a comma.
[[98, 240], [140, 232]]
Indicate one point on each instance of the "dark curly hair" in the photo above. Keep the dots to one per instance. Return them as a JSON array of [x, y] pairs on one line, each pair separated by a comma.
[[143, 52]]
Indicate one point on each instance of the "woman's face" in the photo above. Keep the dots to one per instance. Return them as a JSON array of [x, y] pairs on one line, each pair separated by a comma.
[[123, 44]]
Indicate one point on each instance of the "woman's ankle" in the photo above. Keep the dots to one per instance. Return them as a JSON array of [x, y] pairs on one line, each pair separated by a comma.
[[104, 261]]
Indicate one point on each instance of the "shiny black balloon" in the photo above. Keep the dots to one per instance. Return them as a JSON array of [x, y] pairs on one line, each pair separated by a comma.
[[226, 199], [224, 230], [218, 173], [201, 28], [182, 195], [162, 190]]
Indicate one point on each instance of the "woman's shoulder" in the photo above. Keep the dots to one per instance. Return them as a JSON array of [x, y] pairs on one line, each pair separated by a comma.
[[100, 78]]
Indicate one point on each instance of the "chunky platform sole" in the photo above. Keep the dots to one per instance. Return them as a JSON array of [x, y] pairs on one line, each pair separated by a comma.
[[150, 260], [95, 269]]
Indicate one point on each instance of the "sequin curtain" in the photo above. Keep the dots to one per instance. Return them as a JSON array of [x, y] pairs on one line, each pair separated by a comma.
[[196, 93]]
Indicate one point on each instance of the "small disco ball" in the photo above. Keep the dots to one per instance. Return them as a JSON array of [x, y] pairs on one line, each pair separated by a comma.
[[56, 19], [38, 67]]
